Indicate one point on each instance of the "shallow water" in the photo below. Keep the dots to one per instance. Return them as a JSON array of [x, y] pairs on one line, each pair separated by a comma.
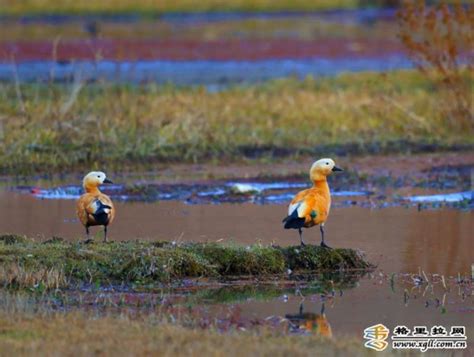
[[370, 303], [372, 299], [398, 239], [404, 242]]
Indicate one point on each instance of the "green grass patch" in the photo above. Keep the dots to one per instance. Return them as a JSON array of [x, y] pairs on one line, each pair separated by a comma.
[[58, 264]]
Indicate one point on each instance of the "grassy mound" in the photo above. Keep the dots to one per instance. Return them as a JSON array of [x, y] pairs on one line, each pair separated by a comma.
[[56, 263]]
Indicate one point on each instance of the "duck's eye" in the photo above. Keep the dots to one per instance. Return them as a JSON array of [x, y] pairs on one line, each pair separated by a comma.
[[98, 176], [327, 163]]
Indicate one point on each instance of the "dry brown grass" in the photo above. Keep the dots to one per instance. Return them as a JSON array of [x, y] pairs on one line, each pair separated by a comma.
[[60, 126], [78, 335], [14, 274]]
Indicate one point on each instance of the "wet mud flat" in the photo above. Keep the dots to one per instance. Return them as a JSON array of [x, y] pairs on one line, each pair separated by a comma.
[[438, 186]]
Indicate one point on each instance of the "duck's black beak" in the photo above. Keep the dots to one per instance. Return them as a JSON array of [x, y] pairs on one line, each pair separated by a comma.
[[107, 181], [336, 168]]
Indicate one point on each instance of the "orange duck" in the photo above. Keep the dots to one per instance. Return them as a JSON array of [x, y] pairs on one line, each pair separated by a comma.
[[95, 208], [311, 207]]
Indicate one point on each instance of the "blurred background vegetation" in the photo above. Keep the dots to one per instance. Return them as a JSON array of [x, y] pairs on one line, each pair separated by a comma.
[[82, 123], [163, 6]]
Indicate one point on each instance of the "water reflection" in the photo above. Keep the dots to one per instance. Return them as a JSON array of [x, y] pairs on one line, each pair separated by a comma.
[[313, 306], [310, 322]]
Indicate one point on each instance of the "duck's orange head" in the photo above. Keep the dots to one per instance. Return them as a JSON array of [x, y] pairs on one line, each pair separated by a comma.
[[322, 168], [93, 180]]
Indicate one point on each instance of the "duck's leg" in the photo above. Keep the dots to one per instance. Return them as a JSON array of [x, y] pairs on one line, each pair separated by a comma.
[[88, 238], [105, 234], [321, 228], [301, 237]]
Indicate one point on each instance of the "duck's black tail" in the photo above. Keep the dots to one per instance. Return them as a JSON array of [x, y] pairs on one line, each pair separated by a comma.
[[293, 221], [101, 216]]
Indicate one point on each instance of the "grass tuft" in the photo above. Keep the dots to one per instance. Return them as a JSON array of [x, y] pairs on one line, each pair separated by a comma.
[[236, 260], [13, 239], [316, 258]]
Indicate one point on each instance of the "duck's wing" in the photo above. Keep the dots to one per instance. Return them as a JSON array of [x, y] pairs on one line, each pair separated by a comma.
[[299, 208], [106, 201]]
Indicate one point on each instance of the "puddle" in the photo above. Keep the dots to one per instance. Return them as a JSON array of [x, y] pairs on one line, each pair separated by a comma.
[[218, 192], [380, 194], [449, 197]]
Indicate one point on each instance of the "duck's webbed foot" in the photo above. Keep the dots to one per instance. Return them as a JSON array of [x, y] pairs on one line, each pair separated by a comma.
[[324, 245]]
